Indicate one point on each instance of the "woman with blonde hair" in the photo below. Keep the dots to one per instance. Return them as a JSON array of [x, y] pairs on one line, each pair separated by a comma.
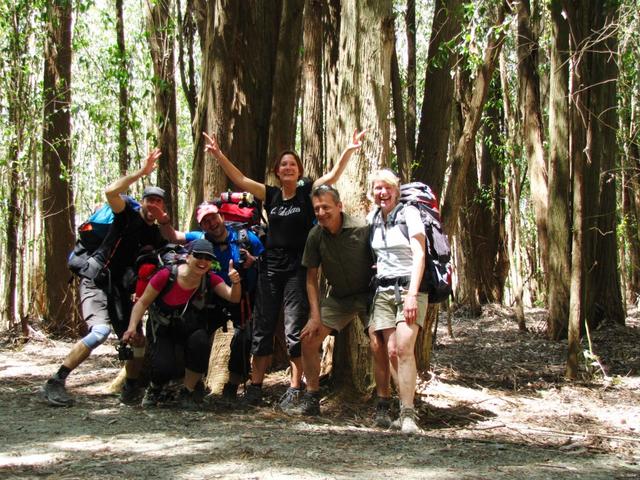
[[399, 308]]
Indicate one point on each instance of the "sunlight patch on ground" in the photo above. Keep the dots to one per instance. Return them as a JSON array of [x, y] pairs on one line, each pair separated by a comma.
[[15, 459]]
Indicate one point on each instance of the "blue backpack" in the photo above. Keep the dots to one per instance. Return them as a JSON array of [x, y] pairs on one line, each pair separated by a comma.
[[92, 232]]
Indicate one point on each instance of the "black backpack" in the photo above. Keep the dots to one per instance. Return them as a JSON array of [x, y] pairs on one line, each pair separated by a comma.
[[437, 278]]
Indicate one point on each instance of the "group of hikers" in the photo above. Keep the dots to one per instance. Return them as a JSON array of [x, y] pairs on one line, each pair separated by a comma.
[[373, 268]]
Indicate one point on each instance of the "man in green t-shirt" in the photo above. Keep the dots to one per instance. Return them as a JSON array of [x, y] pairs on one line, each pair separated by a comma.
[[340, 245]]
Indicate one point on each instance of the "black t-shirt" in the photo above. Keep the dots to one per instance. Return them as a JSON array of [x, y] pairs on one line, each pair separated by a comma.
[[127, 235], [289, 220]]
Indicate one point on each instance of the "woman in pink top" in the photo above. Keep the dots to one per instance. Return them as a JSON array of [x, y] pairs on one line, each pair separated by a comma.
[[178, 299]]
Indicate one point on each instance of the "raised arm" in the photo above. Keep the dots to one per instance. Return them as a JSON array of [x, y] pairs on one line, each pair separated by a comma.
[[334, 174], [235, 175], [115, 189]]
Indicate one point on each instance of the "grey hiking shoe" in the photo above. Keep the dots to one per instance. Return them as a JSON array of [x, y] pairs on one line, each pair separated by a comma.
[[188, 400], [309, 405], [290, 399], [382, 417], [407, 422], [56, 394], [131, 393], [252, 396]]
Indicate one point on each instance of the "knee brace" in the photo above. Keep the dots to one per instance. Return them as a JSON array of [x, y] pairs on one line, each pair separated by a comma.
[[97, 336]]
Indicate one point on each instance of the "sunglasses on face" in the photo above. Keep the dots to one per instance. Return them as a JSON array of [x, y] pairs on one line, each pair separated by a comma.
[[202, 256]]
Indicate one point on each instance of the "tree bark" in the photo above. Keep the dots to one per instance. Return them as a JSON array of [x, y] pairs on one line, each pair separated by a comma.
[[57, 195], [410, 26], [161, 40], [532, 127], [435, 118], [123, 93], [312, 103], [186, 38], [558, 214], [402, 140]]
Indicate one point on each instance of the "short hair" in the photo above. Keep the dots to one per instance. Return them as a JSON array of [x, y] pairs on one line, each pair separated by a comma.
[[326, 189], [278, 159], [383, 175]]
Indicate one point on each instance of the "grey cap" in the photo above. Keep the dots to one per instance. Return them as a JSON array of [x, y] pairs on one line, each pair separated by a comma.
[[202, 246], [153, 192]]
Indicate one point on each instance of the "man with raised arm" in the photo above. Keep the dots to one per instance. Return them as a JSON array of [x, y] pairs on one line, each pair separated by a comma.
[[104, 300]]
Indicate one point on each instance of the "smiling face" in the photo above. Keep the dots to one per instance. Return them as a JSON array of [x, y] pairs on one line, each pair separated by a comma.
[[152, 200], [385, 195], [288, 169], [328, 211], [199, 262], [213, 224]]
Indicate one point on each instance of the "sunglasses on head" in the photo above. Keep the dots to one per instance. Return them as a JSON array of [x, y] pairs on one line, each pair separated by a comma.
[[202, 256]]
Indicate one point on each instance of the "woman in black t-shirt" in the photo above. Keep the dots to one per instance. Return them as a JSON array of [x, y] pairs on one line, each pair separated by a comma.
[[282, 279]]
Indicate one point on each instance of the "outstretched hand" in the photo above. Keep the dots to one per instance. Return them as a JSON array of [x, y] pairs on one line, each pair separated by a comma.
[[156, 212], [150, 162], [211, 146], [356, 141]]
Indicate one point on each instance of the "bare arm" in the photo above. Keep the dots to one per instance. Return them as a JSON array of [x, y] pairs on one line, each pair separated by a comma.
[[312, 327], [334, 174], [235, 175], [417, 269], [231, 293], [115, 189], [141, 306]]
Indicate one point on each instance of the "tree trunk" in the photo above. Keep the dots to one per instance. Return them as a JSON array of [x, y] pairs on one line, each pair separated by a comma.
[[123, 95], [465, 145], [532, 127], [410, 26], [282, 126], [435, 118], [402, 141], [558, 217], [312, 104], [186, 38], [161, 40], [57, 196], [360, 100]]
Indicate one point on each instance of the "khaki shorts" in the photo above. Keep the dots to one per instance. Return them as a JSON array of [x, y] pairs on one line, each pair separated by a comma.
[[387, 314], [337, 313]]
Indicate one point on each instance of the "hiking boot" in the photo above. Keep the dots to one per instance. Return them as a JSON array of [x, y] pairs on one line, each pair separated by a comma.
[[309, 405], [153, 396], [187, 400], [230, 392], [382, 418], [408, 421], [56, 394], [131, 393], [290, 399], [200, 391], [252, 396]]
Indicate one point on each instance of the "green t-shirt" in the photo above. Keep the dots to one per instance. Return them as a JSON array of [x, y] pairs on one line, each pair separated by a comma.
[[345, 257]]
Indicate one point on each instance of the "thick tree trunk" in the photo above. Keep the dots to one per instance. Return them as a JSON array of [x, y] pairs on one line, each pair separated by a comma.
[[186, 39], [410, 26], [57, 196], [312, 103], [532, 127], [558, 217], [123, 93], [465, 145], [161, 43], [402, 140], [361, 100], [282, 126], [435, 118]]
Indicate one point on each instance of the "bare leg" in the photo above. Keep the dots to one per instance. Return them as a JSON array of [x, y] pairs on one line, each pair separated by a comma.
[[191, 378], [311, 359], [259, 365], [78, 354], [296, 371], [405, 338], [381, 364]]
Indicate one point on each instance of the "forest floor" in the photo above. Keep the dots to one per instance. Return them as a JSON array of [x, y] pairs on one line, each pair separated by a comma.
[[494, 406]]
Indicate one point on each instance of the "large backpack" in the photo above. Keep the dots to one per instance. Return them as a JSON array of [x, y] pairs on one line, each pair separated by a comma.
[[437, 277], [241, 212], [92, 232]]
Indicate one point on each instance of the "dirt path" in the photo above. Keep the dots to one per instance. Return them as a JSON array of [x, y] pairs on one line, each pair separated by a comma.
[[494, 406]]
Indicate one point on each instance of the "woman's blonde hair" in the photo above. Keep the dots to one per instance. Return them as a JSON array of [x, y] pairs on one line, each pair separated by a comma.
[[383, 175]]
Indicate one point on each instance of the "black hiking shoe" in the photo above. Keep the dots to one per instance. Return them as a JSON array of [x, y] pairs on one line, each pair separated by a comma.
[[230, 392], [200, 391], [290, 399], [252, 396], [131, 393], [188, 400], [153, 396], [382, 417], [309, 405], [55, 393]]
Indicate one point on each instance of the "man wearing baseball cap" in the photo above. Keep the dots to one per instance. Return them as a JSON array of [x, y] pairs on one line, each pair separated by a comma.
[[243, 247], [104, 300]]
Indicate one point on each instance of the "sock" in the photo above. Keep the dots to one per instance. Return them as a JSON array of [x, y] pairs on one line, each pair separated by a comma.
[[62, 373]]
